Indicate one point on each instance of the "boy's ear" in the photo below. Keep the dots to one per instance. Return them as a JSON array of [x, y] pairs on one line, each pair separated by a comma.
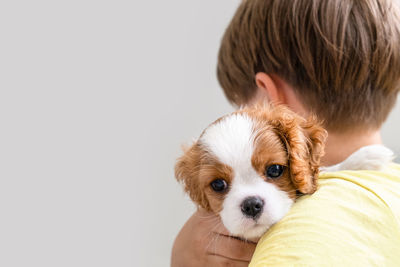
[[187, 169], [269, 88], [305, 141]]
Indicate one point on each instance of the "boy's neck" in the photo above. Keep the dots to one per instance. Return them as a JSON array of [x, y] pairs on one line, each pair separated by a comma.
[[341, 145]]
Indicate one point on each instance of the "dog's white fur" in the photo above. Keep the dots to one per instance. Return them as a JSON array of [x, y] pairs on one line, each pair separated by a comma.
[[231, 141]]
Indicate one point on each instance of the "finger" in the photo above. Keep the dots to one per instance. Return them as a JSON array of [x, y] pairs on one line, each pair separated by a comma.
[[231, 247], [218, 260], [210, 222]]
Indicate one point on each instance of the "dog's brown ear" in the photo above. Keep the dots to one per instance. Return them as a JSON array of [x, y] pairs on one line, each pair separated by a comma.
[[187, 171], [304, 141]]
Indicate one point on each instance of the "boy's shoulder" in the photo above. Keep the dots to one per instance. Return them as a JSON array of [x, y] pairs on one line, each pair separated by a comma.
[[352, 220], [379, 186]]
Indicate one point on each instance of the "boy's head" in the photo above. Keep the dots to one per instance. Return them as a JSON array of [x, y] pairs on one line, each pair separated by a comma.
[[342, 57]]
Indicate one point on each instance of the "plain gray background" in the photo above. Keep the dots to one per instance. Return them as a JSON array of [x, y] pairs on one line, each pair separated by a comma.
[[96, 99]]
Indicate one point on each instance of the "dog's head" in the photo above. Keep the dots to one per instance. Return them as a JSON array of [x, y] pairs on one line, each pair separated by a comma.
[[250, 166]]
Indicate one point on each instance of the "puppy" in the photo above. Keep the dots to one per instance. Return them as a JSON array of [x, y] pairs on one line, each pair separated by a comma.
[[250, 166]]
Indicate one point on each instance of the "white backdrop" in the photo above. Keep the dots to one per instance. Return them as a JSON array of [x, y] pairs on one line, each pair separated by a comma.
[[96, 99]]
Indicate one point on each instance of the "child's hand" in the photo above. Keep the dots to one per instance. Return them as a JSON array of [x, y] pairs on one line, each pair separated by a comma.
[[203, 241]]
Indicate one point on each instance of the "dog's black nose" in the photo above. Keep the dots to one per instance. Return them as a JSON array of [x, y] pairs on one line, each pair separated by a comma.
[[252, 207]]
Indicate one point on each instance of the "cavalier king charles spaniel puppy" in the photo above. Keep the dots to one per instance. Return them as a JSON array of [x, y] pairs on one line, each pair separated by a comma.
[[251, 165]]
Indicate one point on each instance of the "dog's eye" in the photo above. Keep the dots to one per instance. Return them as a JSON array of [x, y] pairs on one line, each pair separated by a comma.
[[219, 185], [274, 171]]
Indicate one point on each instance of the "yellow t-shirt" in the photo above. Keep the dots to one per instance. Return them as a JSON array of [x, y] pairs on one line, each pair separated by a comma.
[[352, 220]]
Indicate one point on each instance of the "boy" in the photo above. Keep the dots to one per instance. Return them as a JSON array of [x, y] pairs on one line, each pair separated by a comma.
[[339, 59]]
